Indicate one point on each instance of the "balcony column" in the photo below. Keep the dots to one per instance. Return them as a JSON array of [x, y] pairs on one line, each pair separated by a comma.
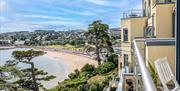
[[178, 41], [136, 73]]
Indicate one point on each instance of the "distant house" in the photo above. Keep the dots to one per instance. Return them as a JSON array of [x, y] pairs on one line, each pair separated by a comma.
[[19, 42], [5, 42], [116, 32]]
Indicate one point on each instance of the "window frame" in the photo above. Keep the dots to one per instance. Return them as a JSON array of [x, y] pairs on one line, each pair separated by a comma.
[[125, 35]]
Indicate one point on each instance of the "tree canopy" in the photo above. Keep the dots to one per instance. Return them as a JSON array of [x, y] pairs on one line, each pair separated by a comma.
[[98, 36], [26, 78]]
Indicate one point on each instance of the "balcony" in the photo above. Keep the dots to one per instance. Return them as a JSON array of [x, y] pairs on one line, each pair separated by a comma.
[[142, 76], [133, 14]]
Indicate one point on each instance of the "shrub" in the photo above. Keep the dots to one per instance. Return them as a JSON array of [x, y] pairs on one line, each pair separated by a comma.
[[106, 80], [72, 75], [93, 87], [106, 67], [88, 68], [77, 72], [113, 58]]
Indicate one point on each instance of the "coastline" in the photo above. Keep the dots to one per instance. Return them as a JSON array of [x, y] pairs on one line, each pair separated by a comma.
[[6, 47], [70, 60], [73, 61], [62, 64]]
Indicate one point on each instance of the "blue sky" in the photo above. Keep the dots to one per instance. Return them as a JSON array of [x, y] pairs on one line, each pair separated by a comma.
[[29, 15]]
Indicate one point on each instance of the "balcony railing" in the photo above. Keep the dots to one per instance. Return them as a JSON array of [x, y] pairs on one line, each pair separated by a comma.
[[133, 13], [140, 66], [142, 78]]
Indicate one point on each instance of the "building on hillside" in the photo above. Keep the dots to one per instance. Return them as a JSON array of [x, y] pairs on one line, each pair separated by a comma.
[[19, 43], [5, 42], [115, 32]]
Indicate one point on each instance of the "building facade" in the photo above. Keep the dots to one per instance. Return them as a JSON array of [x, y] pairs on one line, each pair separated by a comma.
[[154, 29]]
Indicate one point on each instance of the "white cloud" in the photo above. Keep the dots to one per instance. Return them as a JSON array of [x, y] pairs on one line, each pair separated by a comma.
[[3, 19], [34, 25], [50, 13], [46, 17], [86, 13], [71, 23], [98, 2], [112, 3], [2, 4]]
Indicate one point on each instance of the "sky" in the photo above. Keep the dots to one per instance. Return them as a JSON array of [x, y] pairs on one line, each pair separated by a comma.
[[61, 15]]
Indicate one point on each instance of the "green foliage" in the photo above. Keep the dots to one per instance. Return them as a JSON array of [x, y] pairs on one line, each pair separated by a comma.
[[88, 69], [13, 72], [72, 75], [153, 73], [97, 83], [69, 85], [100, 84], [106, 67], [93, 87], [106, 80], [48, 78], [25, 77], [77, 42], [77, 72], [97, 35], [26, 55], [113, 58]]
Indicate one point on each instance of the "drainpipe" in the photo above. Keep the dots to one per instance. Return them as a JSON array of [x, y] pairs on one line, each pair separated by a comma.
[[143, 8], [153, 29], [177, 41]]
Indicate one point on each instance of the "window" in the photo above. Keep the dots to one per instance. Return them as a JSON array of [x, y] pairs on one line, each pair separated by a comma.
[[145, 8], [126, 63], [126, 60], [125, 34], [149, 31]]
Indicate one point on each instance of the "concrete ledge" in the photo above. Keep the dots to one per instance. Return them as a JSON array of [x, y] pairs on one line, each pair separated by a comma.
[[159, 42]]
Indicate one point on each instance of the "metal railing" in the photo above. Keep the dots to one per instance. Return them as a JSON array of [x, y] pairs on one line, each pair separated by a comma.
[[133, 13], [146, 77]]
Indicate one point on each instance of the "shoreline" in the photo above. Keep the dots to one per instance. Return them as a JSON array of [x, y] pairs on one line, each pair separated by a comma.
[[62, 64], [73, 61]]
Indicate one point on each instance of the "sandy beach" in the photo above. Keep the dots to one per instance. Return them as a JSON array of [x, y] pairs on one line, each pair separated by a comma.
[[71, 60], [55, 62], [66, 63]]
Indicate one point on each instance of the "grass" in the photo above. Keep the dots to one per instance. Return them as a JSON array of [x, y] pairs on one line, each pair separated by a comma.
[[68, 83], [96, 79], [67, 47], [99, 78]]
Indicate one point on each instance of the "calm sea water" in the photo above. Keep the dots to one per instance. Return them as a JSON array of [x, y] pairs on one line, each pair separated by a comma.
[[54, 66]]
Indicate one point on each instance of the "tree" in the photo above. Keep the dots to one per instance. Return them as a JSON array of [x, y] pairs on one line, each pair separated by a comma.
[[29, 81], [105, 67], [113, 58], [88, 68], [12, 72], [97, 35]]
